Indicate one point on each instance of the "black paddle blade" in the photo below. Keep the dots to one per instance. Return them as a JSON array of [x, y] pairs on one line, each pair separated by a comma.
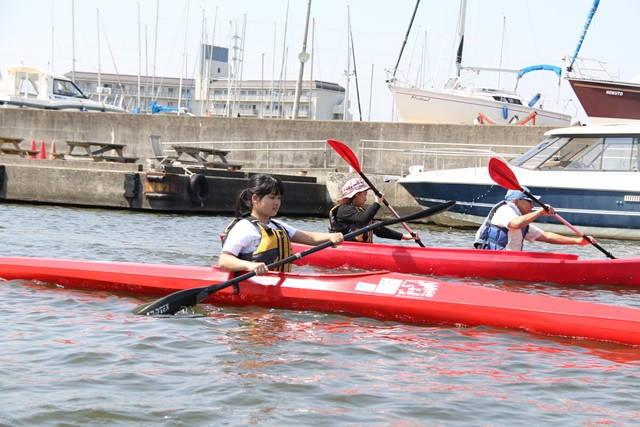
[[173, 303]]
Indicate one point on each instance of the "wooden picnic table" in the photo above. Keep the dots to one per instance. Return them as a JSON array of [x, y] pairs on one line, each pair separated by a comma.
[[12, 146], [204, 156], [99, 151]]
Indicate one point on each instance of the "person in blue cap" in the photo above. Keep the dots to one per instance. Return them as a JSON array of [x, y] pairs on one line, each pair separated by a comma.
[[509, 224]]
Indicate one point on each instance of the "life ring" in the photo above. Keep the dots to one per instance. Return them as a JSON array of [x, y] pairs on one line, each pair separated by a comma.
[[198, 189]]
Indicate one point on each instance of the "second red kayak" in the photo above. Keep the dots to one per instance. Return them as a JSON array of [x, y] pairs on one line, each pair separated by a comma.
[[452, 262]]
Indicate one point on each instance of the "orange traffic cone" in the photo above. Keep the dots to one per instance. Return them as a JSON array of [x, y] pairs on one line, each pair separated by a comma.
[[43, 151], [52, 153], [33, 148]]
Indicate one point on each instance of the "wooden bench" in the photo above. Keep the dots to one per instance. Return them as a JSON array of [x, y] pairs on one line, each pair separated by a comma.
[[203, 156], [118, 159], [96, 151], [223, 165], [19, 152]]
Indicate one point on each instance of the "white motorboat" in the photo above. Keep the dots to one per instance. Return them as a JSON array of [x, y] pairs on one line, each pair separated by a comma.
[[589, 174], [30, 87]]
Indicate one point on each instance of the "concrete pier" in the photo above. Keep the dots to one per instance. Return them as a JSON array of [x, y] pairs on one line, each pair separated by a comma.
[[293, 148], [128, 186]]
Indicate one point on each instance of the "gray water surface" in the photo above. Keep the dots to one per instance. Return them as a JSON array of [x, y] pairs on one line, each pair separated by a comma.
[[81, 358]]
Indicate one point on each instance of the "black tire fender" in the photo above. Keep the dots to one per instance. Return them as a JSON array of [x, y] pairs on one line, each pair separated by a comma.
[[198, 189]]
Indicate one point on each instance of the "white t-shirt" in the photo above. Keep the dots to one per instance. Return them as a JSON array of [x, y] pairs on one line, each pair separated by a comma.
[[245, 237], [503, 217]]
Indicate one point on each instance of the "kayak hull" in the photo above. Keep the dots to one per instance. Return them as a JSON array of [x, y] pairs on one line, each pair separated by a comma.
[[380, 295], [452, 262]]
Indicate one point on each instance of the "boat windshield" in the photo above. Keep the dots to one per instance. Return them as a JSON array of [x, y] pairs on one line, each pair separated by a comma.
[[615, 153], [67, 88]]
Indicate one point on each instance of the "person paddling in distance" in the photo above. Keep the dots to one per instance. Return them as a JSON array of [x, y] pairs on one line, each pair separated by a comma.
[[253, 239], [349, 214], [509, 224]]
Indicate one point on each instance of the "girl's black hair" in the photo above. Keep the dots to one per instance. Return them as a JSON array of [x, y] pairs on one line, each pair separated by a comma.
[[261, 185]]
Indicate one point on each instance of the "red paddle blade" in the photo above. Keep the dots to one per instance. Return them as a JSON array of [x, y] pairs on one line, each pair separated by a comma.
[[503, 175], [346, 153]]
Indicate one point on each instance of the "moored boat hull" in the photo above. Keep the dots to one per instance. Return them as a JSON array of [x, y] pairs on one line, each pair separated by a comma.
[[588, 174], [421, 106], [453, 262], [608, 101], [379, 295]]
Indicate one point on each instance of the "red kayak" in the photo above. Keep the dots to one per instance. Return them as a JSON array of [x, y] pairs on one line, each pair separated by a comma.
[[380, 295], [525, 266]]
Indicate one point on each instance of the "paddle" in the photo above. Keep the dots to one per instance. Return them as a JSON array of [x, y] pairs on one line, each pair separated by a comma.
[[348, 155], [177, 301], [504, 176]]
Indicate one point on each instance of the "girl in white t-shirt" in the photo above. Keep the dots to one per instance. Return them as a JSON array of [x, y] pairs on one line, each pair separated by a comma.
[[254, 239]]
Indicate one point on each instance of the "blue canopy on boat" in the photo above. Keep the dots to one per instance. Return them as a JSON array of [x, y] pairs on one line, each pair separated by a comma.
[[541, 67]]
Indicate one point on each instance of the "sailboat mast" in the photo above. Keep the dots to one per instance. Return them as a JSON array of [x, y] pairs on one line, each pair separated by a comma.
[[460, 36], [53, 34], [73, 40], [504, 24], [184, 63], [345, 110], [99, 65], [592, 12], [138, 106], [404, 42], [155, 53], [303, 57]]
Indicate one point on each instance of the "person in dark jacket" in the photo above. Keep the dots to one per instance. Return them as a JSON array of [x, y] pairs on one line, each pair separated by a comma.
[[349, 214]]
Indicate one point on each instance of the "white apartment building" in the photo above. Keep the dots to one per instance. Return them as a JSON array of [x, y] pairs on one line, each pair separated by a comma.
[[223, 97]]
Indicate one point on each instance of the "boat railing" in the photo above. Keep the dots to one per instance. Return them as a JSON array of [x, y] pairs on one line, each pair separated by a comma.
[[435, 156], [588, 68]]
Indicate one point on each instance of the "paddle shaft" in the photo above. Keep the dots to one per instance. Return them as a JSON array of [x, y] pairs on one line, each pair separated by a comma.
[[347, 154], [502, 174], [393, 211], [565, 222], [176, 301]]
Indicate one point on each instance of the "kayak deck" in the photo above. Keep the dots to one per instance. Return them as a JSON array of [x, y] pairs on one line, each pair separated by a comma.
[[453, 262], [379, 295]]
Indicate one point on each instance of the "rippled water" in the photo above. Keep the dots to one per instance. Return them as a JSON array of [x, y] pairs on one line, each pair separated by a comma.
[[81, 358]]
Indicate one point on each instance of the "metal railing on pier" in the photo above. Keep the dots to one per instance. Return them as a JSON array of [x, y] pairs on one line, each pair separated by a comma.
[[382, 157]]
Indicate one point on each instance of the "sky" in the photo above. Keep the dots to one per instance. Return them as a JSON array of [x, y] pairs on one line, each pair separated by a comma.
[[131, 37]]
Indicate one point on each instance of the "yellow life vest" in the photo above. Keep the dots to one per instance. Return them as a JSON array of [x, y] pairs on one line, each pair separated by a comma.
[[274, 244]]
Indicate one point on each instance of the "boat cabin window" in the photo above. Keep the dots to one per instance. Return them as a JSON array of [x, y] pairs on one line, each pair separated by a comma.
[[508, 100], [618, 153], [27, 84], [66, 88]]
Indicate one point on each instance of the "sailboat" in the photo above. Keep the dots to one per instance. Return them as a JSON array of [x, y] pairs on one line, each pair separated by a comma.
[[460, 102], [603, 99]]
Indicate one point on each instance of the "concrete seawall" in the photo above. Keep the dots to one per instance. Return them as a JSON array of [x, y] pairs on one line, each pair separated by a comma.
[[266, 145]]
